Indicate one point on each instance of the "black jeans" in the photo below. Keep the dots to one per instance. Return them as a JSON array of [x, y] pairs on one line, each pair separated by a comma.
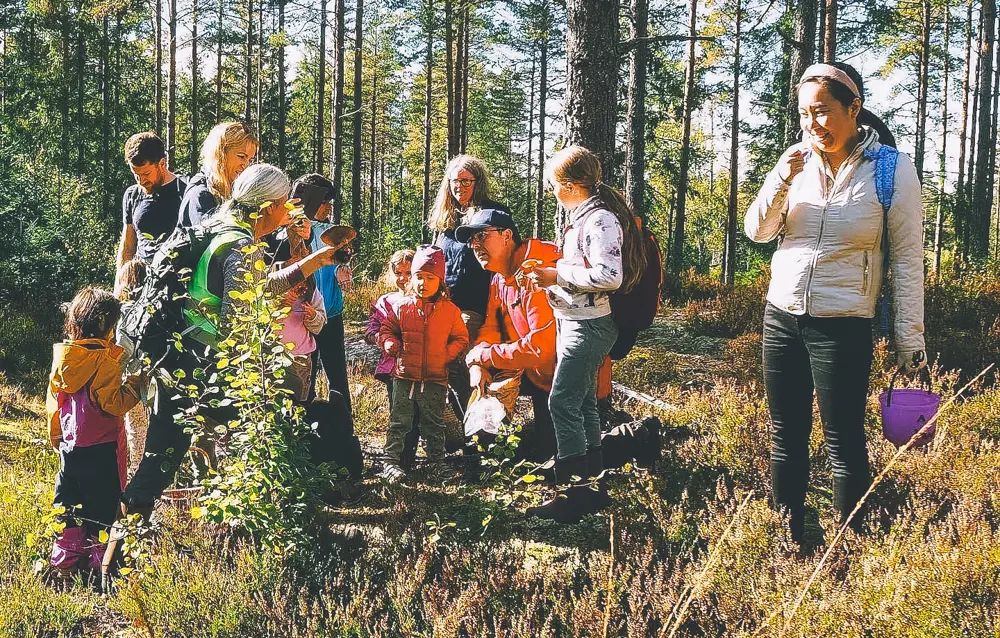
[[833, 356], [88, 476], [330, 342]]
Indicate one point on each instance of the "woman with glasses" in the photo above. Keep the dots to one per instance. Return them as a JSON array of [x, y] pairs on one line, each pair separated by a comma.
[[464, 190], [227, 151]]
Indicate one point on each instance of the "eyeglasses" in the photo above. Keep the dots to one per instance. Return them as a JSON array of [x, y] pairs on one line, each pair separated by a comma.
[[480, 237], [463, 182]]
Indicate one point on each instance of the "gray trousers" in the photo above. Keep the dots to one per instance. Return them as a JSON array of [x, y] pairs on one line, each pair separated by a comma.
[[580, 348], [409, 397]]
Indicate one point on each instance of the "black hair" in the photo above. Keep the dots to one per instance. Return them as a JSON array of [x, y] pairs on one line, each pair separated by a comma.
[[92, 314], [313, 190], [842, 94]]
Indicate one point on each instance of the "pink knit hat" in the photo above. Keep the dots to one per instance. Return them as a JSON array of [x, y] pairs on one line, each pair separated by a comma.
[[429, 259]]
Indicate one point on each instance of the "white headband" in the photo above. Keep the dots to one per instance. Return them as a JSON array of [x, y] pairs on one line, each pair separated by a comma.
[[833, 73]]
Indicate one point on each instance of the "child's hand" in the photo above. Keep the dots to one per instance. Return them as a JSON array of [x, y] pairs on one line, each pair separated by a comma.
[[308, 312], [543, 277], [391, 347], [345, 278], [478, 378]]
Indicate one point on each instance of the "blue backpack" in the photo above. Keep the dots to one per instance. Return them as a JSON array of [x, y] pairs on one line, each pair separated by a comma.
[[885, 182]]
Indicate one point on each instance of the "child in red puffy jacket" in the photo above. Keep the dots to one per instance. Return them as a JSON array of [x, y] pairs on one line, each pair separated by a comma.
[[424, 331]]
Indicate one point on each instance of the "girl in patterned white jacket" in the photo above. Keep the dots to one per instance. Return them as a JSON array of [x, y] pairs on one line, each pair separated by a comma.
[[602, 252]]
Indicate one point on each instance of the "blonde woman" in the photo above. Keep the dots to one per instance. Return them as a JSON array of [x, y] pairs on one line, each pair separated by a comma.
[[464, 188], [227, 151]]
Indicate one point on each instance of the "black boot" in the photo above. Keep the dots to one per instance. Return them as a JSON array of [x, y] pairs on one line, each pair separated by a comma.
[[598, 484], [572, 502]]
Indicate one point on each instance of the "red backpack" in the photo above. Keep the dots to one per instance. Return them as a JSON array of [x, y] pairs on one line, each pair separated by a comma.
[[634, 311]]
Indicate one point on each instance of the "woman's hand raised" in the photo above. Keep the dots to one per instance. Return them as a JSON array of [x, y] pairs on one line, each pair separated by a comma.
[[792, 162]]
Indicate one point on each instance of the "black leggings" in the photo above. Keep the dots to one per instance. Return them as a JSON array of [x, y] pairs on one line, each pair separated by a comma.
[[833, 356]]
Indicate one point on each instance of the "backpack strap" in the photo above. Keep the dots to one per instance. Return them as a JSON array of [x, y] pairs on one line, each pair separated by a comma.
[[885, 184], [204, 304]]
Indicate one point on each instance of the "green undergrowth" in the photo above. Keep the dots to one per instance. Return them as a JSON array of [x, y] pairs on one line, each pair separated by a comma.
[[691, 549]]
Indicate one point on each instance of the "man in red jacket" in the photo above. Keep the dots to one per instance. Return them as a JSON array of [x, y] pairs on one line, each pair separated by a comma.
[[519, 331]]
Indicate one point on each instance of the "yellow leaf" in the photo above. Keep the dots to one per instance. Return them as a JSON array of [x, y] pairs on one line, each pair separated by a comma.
[[222, 363], [103, 536], [198, 512], [259, 265]]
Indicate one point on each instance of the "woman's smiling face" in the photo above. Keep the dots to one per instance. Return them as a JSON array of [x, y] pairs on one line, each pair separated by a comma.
[[829, 125]]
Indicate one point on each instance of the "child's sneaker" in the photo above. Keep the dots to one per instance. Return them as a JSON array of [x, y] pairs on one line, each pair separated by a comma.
[[392, 473]]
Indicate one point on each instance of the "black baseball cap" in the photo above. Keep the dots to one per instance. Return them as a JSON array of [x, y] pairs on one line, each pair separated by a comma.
[[487, 218]]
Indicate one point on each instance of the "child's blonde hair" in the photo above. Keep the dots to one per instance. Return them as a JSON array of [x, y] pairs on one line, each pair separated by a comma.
[[400, 256], [130, 278]]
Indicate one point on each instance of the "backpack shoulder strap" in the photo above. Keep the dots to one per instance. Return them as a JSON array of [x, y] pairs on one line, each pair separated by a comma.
[[199, 280], [885, 184]]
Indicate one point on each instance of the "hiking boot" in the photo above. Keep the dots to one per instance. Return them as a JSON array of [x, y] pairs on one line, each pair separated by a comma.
[[572, 502], [611, 416], [652, 447], [595, 474], [392, 473]]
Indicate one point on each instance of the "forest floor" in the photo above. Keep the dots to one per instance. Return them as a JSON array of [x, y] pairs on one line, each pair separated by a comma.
[[690, 548]]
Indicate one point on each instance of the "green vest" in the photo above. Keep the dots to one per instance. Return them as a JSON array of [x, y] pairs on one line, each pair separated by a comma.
[[201, 308]]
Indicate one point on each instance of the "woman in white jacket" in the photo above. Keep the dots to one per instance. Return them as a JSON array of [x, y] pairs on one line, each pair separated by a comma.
[[821, 199]]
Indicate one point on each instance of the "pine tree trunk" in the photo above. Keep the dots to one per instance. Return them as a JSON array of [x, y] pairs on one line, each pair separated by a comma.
[[218, 62], [248, 65], [531, 139], [922, 90], [105, 118], [158, 62], [543, 93], [830, 31], [449, 78], [428, 110], [260, 75], [194, 86], [982, 196], [592, 78], [81, 86], [64, 106], [677, 250], [992, 170], [372, 164], [960, 195], [172, 85], [803, 53], [282, 91], [320, 160], [338, 116], [943, 155], [635, 147], [464, 111], [359, 14], [729, 256]]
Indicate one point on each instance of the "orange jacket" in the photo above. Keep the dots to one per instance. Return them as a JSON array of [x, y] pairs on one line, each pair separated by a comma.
[[519, 330], [424, 336], [97, 361]]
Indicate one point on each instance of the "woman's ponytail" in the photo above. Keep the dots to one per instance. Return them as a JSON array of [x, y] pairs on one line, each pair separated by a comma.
[[868, 118]]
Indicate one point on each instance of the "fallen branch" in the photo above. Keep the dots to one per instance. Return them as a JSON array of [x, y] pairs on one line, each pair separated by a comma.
[[871, 488], [644, 398]]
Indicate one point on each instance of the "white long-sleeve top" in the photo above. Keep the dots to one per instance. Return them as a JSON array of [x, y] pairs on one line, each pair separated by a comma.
[[591, 264], [829, 263]]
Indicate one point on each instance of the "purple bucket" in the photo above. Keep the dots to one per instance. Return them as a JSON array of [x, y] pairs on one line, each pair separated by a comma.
[[904, 413]]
